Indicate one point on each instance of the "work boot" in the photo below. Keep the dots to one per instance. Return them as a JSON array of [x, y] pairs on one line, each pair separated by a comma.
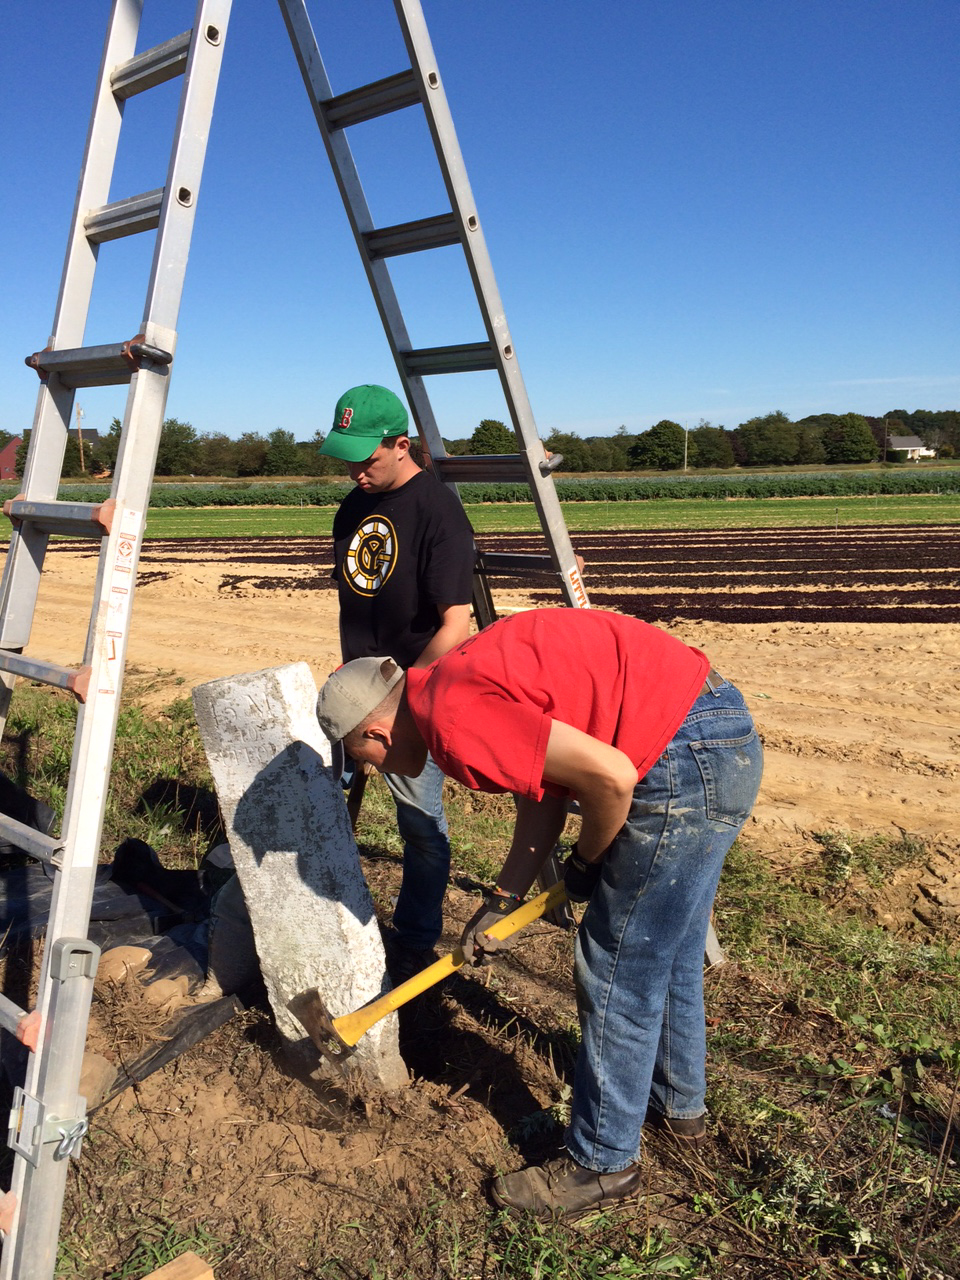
[[691, 1134], [562, 1188]]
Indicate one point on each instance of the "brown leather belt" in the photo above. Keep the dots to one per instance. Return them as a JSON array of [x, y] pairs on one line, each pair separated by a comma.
[[710, 684]]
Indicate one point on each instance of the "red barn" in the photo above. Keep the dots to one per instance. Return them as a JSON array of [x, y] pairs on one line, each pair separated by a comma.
[[8, 459]]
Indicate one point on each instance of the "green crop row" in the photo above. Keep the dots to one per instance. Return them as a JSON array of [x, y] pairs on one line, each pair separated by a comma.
[[813, 484], [804, 485]]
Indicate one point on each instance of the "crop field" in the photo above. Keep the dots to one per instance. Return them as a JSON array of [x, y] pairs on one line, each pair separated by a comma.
[[901, 574], [905, 574]]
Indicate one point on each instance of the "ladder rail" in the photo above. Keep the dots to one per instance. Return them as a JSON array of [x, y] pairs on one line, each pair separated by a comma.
[[440, 122], [178, 207], [319, 91], [49, 1097], [54, 412], [498, 351]]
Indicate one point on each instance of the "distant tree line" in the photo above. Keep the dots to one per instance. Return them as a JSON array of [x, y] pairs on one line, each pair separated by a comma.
[[772, 440]]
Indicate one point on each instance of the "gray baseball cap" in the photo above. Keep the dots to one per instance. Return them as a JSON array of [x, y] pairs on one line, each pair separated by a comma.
[[352, 692]]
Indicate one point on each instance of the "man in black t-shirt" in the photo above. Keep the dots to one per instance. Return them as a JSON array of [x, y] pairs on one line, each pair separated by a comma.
[[403, 562]]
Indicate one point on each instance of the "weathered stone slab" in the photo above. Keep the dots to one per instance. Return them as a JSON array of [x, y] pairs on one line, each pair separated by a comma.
[[312, 914]]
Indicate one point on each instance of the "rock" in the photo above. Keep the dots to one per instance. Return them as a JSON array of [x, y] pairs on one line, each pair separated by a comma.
[[96, 1077], [167, 991], [311, 911], [120, 963]]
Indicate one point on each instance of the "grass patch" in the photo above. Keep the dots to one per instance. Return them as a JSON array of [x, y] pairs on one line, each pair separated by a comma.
[[240, 522], [758, 513], [160, 786], [155, 1244], [665, 513]]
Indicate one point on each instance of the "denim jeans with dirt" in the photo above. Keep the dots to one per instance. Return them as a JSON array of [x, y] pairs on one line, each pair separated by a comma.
[[640, 946]]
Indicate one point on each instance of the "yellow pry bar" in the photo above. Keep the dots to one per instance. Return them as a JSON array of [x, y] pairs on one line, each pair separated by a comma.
[[351, 1026]]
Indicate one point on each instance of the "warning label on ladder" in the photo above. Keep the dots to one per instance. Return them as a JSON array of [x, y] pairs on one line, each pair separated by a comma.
[[119, 601]]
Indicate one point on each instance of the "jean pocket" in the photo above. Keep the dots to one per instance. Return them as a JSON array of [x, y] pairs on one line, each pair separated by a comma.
[[731, 769]]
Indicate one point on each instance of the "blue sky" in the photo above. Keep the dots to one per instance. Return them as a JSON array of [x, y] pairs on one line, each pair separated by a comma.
[[694, 209]]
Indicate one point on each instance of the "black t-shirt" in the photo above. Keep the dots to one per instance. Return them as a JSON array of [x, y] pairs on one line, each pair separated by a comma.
[[397, 555]]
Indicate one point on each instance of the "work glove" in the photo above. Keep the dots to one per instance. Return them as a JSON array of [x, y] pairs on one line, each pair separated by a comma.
[[580, 878], [476, 946]]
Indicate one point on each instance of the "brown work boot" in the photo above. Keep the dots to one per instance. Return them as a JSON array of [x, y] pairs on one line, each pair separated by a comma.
[[562, 1188], [691, 1134]]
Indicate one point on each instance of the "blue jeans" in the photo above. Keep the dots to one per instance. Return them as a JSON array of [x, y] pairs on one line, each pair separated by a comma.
[[639, 955], [418, 917]]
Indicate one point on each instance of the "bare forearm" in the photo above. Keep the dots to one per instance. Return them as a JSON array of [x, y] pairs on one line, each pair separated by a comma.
[[600, 776], [453, 630], [535, 836], [442, 642], [601, 819]]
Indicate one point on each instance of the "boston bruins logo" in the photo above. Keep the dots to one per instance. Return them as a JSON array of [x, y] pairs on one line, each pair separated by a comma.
[[371, 556]]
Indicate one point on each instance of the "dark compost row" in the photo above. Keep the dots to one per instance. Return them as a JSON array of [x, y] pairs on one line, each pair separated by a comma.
[[855, 574]]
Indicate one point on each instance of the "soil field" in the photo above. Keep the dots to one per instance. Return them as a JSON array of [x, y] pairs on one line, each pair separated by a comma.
[[904, 575], [847, 646], [846, 643]]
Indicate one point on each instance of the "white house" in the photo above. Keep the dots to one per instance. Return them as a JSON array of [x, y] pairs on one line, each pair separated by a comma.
[[912, 446]]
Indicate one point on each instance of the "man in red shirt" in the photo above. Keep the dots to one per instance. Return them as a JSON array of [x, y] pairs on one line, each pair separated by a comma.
[[663, 758]]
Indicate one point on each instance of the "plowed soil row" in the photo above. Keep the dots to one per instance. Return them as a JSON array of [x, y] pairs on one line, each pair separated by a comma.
[[859, 574]]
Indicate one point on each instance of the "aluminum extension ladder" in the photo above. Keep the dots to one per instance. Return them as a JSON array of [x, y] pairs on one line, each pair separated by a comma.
[[420, 85], [48, 1119]]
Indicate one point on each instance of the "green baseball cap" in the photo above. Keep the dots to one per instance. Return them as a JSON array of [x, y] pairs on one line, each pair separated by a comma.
[[363, 417]]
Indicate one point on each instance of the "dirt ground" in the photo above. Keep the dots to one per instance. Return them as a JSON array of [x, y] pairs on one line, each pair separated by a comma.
[[860, 720], [861, 732]]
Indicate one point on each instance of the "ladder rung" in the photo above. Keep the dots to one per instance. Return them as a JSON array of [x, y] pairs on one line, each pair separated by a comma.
[[371, 100], [152, 67], [10, 1014], [124, 217], [74, 679], [468, 357], [82, 519], [31, 841], [97, 366], [514, 562], [411, 237], [481, 467]]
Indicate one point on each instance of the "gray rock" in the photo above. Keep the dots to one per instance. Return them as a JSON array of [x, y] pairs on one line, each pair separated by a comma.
[[311, 911]]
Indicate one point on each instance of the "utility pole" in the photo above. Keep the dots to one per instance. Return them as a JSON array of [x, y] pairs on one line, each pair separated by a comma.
[[80, 416], [686, 433]]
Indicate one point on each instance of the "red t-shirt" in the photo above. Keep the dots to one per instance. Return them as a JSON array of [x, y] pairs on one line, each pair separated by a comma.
[[486, 707]]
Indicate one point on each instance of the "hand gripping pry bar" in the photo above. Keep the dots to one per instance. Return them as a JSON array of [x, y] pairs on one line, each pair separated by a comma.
[[337, 1038]]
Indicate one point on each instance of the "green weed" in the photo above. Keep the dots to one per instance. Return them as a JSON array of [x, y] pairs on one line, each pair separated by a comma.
[[158, 768], [153, 1244], [554, 1252]]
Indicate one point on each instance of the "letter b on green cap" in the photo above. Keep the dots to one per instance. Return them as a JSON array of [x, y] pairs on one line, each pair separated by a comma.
[[363, 417]]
